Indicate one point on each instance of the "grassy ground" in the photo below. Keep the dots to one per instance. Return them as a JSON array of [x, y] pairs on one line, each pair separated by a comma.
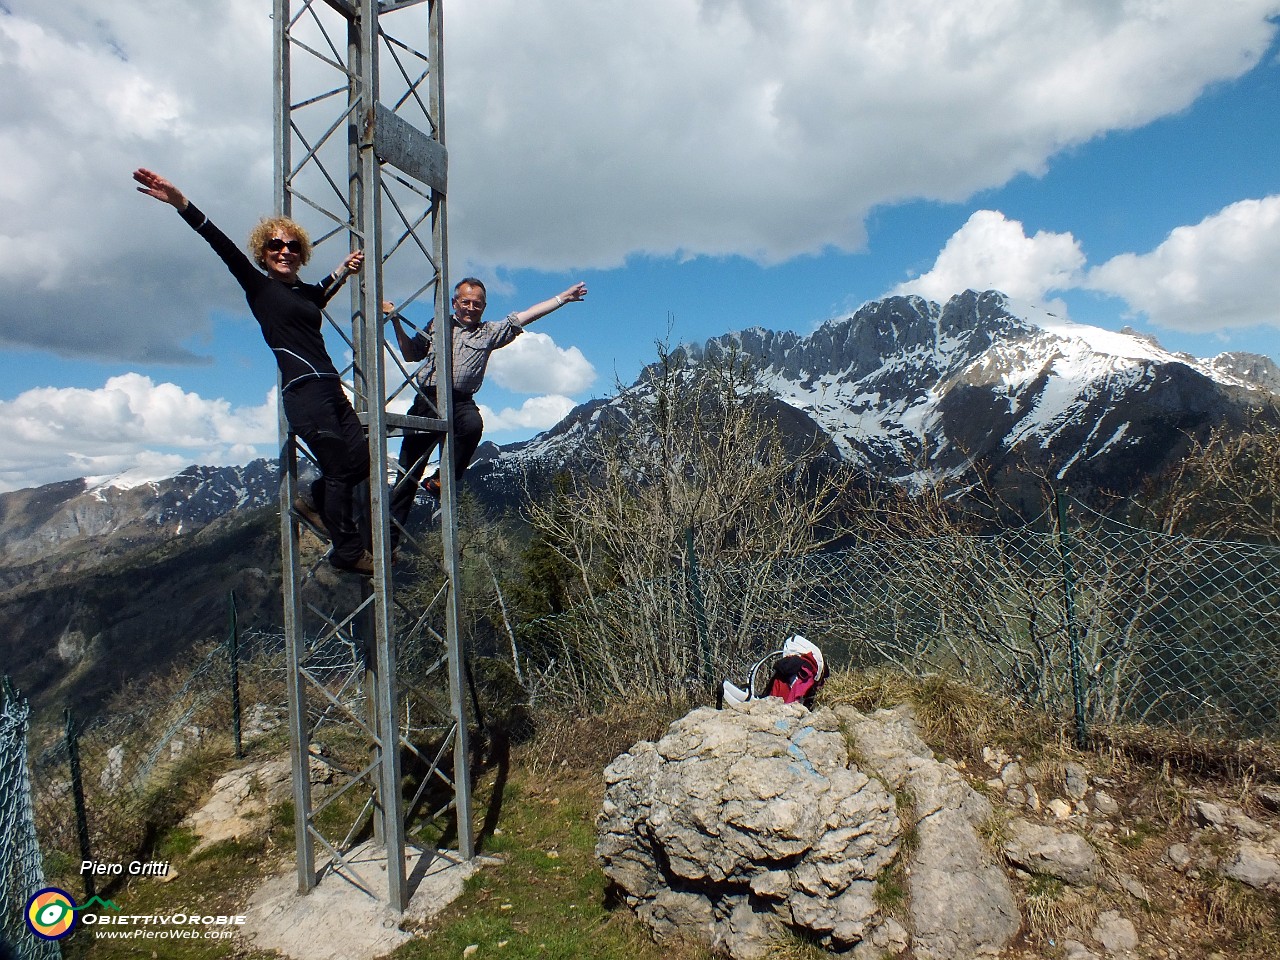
[[1155, 776], [215, 881], [541, 896], [544, 898]]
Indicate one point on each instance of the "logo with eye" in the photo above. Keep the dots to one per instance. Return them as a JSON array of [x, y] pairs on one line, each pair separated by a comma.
[[51, 913]]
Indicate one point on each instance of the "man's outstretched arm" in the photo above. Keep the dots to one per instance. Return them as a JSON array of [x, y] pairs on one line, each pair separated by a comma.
[[539, 310]]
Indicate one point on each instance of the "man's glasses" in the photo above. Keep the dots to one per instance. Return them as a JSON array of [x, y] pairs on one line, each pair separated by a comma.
[[468, 304], [275, 245]]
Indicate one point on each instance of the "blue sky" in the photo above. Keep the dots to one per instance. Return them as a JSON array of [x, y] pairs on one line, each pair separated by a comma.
[[705, 165]]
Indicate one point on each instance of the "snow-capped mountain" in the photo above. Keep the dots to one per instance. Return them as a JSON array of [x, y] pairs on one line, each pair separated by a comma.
[[37, 522], [911, 389], [904, 389]]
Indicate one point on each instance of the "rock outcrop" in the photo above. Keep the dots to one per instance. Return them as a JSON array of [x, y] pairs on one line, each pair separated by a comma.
[[961, 902], [741, 824], [1231, 843]]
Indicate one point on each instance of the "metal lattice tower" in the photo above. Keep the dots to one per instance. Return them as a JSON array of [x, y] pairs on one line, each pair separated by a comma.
[[360, 160]]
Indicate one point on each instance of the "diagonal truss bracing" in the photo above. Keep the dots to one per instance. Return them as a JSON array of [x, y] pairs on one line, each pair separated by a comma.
[[375, 676]]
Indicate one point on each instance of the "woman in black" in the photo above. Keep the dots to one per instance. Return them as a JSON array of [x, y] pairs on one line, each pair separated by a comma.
[[289, 313]]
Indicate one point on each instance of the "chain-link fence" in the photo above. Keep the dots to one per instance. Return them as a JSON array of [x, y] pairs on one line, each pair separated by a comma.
[[21, 870], [1098, 622], [97, 785]]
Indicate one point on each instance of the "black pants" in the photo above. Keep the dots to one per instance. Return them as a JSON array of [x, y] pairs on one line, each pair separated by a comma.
[[321, 416], [468, 427]]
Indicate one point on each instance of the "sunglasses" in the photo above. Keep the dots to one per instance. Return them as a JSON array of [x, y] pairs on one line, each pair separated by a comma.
[[275, 245]]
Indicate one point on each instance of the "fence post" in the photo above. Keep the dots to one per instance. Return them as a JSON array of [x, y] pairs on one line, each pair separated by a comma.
[[1073, 632], [77, 792], [699, 608], [233, 657]]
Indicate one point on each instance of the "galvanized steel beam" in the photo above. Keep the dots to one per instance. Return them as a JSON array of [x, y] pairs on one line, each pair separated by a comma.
[[344, 674]]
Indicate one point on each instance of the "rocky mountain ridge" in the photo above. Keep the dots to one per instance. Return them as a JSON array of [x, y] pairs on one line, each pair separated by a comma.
[[905, 389], [913, 390], [101, 584]]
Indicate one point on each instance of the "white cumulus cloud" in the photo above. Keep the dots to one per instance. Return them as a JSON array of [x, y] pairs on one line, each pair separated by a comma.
[[769, 130], [93, 91], [129, 423], [1219, 273], [991, 252], [1214, 275], [581, 132], [536, 413], [532, 363]]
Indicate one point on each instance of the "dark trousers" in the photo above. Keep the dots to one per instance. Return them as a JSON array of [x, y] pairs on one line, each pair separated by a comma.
[[416, 449], [321, 416]]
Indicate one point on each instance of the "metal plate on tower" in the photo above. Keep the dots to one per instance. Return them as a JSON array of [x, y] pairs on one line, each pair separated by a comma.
[[408, 149]]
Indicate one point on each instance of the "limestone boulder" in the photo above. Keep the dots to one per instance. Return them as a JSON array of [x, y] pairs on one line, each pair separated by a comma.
[[741, 824]]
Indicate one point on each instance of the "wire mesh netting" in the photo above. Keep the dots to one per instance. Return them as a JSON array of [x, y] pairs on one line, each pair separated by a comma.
[[122, 756], [1104, 621], [21, 868]]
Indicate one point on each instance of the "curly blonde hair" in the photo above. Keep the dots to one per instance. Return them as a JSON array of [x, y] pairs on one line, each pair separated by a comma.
[[267, 228]]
